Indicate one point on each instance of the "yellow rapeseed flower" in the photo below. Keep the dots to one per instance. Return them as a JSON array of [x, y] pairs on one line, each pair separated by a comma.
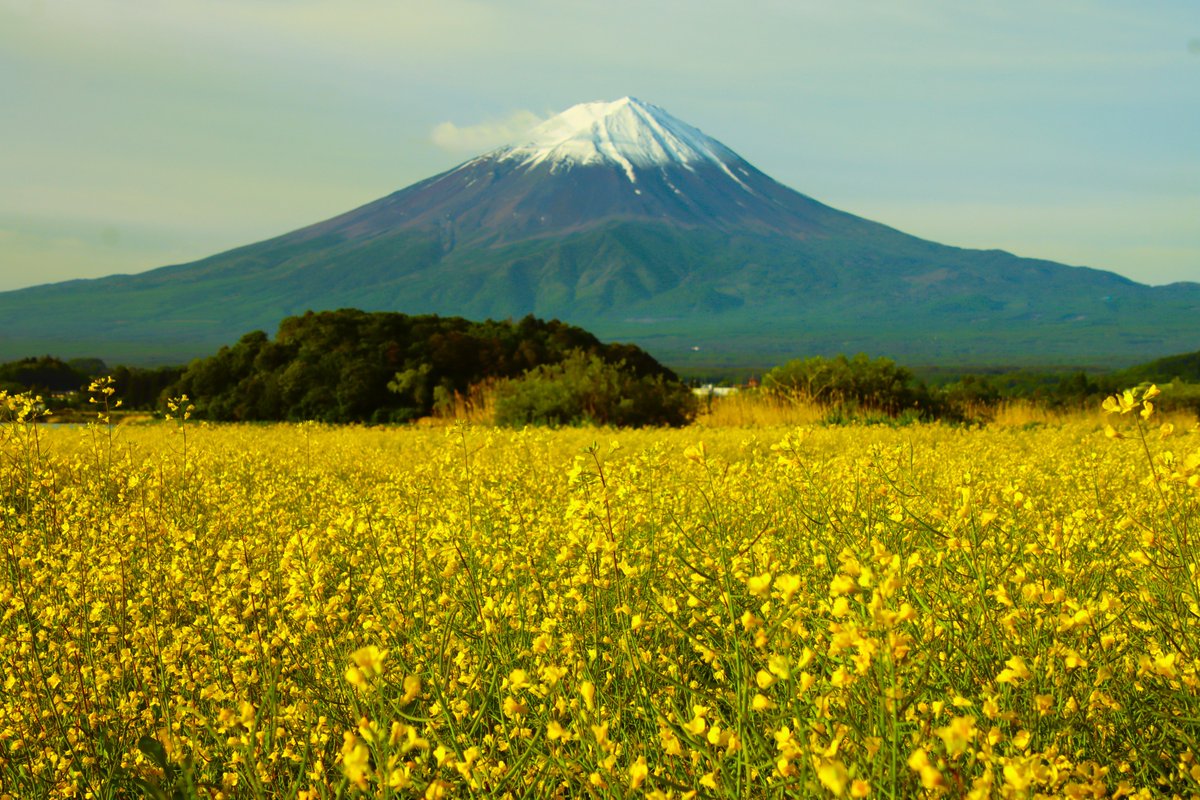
[[412, 688], [587, 690], [833, 776], [1015, 671], [759, 585], [638, 771], [355, 760]]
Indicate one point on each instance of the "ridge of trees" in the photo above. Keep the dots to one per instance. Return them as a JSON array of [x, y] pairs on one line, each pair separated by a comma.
[[62, 382], [379, 367], [860, 387], [355, 366], [1184, 368]]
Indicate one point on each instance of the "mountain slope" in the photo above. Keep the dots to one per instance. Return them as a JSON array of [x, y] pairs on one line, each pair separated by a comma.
[[623, 219]]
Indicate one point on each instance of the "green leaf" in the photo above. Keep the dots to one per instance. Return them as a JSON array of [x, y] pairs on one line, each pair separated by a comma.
[[152, 748]]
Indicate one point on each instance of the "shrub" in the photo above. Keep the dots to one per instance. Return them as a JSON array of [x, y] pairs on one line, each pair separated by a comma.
[[585, 389], [879, 385]]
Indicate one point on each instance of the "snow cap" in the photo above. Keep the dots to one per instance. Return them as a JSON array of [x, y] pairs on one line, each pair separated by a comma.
[[626, 132]]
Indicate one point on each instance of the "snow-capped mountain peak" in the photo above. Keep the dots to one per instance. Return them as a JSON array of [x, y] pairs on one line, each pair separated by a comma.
[[625, 132]]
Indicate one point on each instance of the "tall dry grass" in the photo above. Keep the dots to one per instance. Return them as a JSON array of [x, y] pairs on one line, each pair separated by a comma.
[[750, 409]]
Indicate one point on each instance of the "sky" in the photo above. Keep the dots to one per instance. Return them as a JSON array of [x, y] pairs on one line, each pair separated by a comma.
[[135, 135]]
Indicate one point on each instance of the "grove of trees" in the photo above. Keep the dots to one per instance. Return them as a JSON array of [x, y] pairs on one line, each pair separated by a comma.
[[62, 383], [356, 366]]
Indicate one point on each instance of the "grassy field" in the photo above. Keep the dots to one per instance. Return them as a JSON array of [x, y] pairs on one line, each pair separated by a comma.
[[735, 609]]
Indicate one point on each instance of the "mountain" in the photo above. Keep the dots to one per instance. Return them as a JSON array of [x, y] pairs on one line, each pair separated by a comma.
[[625, 220]]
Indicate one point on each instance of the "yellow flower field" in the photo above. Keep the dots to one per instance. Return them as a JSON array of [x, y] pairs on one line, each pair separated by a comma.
[[303, 611]]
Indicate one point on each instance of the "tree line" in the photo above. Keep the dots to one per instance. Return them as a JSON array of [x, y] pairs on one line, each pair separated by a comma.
[[860, 386], [62, 383], [355, 366]]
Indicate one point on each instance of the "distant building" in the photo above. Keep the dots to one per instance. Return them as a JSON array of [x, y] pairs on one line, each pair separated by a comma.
[[709, 390]]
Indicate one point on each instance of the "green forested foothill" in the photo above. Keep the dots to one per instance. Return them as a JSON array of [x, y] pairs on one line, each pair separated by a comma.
[[1184, 367], [356, 366], [42, 375], [852, 386], [62, 384]]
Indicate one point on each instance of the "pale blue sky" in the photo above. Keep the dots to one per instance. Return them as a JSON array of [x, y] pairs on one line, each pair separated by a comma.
[[135, 135]]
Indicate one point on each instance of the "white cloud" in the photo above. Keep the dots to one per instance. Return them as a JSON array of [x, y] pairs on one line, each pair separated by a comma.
[[484, 135]]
